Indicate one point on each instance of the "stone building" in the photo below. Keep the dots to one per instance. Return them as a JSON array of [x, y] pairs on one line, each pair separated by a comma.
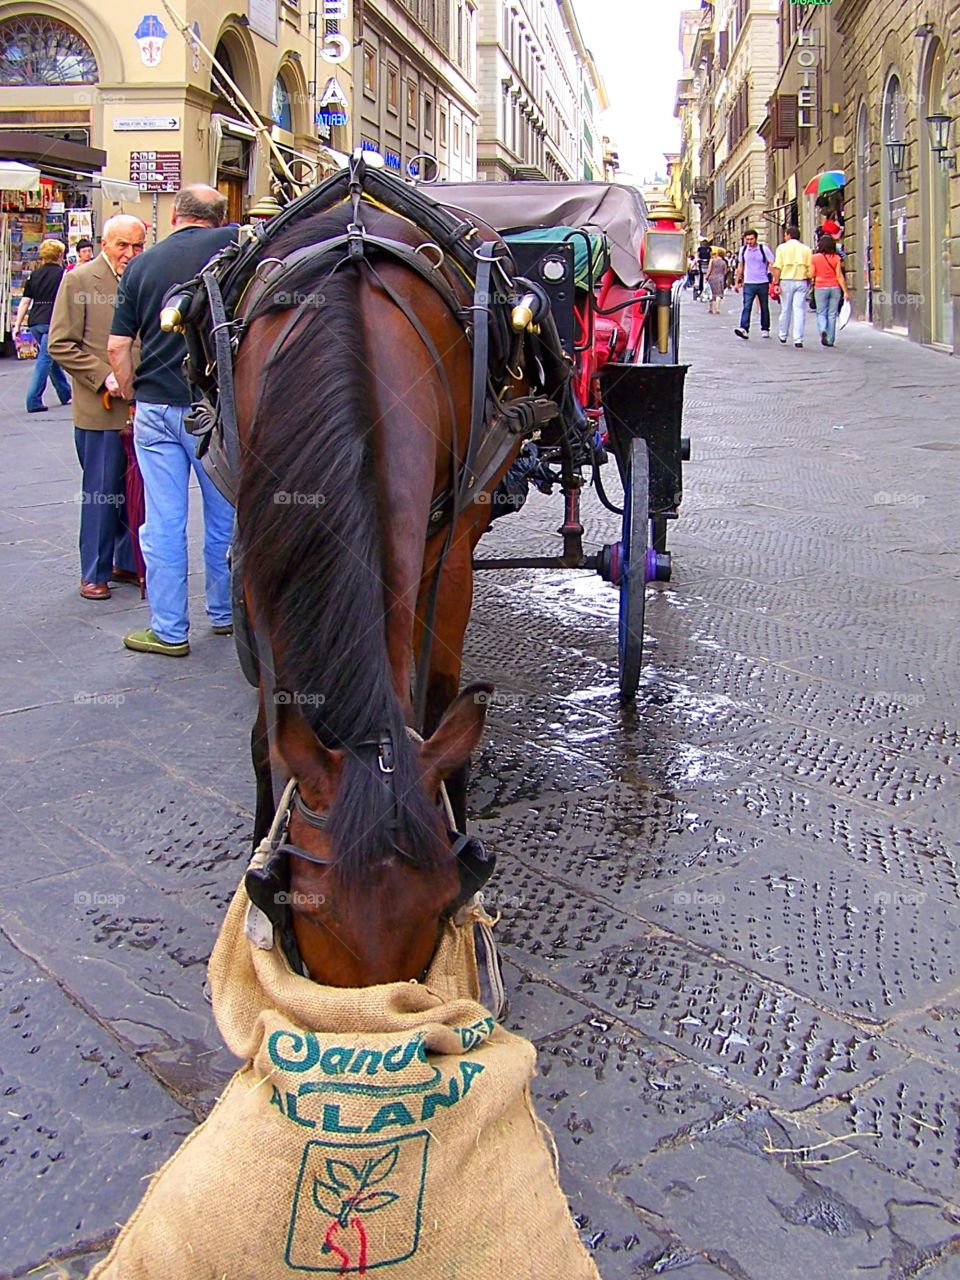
[[901, 66], [734, 59], [416, 82], [692, 190], [804, 127], [538, 87]]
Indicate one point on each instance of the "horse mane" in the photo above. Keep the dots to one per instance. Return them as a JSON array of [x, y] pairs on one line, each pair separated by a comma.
[[310, 536]]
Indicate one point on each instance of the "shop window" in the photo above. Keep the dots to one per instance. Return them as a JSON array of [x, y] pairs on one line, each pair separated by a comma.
[[411, 102], [40, 50], [369, 72], [280, 109]]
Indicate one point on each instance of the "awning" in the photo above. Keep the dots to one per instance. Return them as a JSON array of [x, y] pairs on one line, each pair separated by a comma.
[[15, 176], [50, 154]]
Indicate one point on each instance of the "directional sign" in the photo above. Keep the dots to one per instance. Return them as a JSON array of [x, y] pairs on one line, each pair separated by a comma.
[[156, 170], [137, 124]]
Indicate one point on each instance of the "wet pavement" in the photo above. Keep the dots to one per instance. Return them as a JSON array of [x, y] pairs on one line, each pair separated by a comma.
[[729, 914]]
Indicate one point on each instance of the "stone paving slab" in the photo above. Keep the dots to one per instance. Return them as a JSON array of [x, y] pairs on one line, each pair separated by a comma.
[[81, 1125]]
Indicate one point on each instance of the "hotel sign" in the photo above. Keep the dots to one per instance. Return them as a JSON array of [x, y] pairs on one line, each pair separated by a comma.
[[334, 46], [808, 62]]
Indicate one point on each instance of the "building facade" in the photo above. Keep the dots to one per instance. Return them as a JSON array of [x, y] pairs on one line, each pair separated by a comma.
[[539, 93], [415, 78], [686, 109], [733, 63], [901, 66]]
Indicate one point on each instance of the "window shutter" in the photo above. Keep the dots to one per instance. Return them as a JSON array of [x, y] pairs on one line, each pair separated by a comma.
[[722, 51], [784, 130]]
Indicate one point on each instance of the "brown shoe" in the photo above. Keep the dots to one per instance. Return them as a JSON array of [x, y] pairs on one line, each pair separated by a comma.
[[125, 575], [94, 591]]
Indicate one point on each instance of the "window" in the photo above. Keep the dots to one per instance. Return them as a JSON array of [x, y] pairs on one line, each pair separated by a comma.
[[411, 102], [428, 115], [39, 50], [280, 108], [393, 88], [443, 126], [467, 143], [369, 72], [456, 137]]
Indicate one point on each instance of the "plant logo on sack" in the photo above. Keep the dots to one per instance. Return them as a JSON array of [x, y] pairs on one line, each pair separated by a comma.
[[358, 1203]]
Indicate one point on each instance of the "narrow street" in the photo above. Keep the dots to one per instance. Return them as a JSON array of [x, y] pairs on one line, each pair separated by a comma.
[[729, 915]]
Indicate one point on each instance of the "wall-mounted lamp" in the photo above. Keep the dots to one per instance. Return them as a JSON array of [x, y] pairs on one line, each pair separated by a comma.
[[896, 152], [939, 125]]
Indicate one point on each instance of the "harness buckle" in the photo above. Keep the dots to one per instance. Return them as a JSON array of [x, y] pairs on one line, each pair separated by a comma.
[[385, 755]]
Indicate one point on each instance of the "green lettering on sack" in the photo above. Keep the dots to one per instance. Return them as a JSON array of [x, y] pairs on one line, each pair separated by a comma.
[[468, 1070], [369, 1058], [335, 1061], [331, 1120], [275, 1099], [434, 1100], [305, 1047], [389, 1113], [407, 1054], [292, 1114]]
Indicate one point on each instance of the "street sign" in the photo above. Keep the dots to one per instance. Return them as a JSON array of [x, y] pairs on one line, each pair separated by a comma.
[[156, 170], [147, 124]]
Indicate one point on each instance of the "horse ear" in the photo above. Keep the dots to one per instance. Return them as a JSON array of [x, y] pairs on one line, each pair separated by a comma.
[[458, 734], [317, 768]]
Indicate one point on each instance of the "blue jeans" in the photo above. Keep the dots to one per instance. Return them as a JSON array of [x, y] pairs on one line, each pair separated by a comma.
[[751, 291], [45, 368], [167, 452], [828, 304], [104, 535]]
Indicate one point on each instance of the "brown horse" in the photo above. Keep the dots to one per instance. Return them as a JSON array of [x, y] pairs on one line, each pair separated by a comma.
[[345, 426]]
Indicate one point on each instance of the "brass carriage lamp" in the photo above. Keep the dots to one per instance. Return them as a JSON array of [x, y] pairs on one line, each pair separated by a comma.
[[663, 257], [939, 125]]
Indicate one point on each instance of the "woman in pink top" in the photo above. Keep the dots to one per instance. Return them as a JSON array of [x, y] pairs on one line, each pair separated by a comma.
[[829, 288]]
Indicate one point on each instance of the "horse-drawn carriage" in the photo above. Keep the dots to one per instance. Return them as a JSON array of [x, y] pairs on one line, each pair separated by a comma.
[[609, 272]]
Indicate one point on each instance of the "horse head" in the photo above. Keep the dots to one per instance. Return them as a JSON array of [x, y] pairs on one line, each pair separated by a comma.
[[382, 923]]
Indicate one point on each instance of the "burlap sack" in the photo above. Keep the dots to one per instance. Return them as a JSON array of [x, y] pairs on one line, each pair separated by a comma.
[[384, 1130]]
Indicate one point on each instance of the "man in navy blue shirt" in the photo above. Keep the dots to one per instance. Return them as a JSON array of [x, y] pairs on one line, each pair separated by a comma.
[[166, 451]]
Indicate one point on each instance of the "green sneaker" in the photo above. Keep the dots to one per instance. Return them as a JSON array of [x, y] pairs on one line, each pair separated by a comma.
[[223, 629], [149, 642]]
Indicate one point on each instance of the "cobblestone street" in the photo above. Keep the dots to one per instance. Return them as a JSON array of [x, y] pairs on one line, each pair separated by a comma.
[[729, 915]]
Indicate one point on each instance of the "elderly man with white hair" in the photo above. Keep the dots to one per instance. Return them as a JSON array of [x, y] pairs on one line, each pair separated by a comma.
[[79, 329]]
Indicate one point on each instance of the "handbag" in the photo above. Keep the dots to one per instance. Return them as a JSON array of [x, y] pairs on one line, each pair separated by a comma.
[[27, 346]]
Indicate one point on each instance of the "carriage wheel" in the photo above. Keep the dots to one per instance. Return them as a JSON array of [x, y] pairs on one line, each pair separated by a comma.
[[659, 533], [633, 580]]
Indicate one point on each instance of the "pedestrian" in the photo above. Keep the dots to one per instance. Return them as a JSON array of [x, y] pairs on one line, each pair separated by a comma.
[[703, 261], [85, 248], [716, 277], [753, 274], [39, 293], [691, 272], [166, 451], [79, 330], [829, 288], [792, 274]]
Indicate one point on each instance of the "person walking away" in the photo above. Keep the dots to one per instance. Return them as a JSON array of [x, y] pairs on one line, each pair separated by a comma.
[[792, 272], [753, 275], [79, 329], [716, 278], [39, 293], [165, 450], [691, 272], [829, 288], [703, 261]]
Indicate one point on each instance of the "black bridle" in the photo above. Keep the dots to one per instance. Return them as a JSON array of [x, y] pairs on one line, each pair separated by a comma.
[[267, 879]]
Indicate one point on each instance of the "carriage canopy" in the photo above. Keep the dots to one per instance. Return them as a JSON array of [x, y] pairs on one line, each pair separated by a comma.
[[618, 211]]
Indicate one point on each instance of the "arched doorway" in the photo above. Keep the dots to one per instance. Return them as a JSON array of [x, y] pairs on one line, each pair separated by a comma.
[[937, 243], [895, 209], [864, 240], [231, 137]]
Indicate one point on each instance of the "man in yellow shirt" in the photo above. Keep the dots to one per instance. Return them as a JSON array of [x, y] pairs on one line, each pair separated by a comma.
[[792, 273]]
